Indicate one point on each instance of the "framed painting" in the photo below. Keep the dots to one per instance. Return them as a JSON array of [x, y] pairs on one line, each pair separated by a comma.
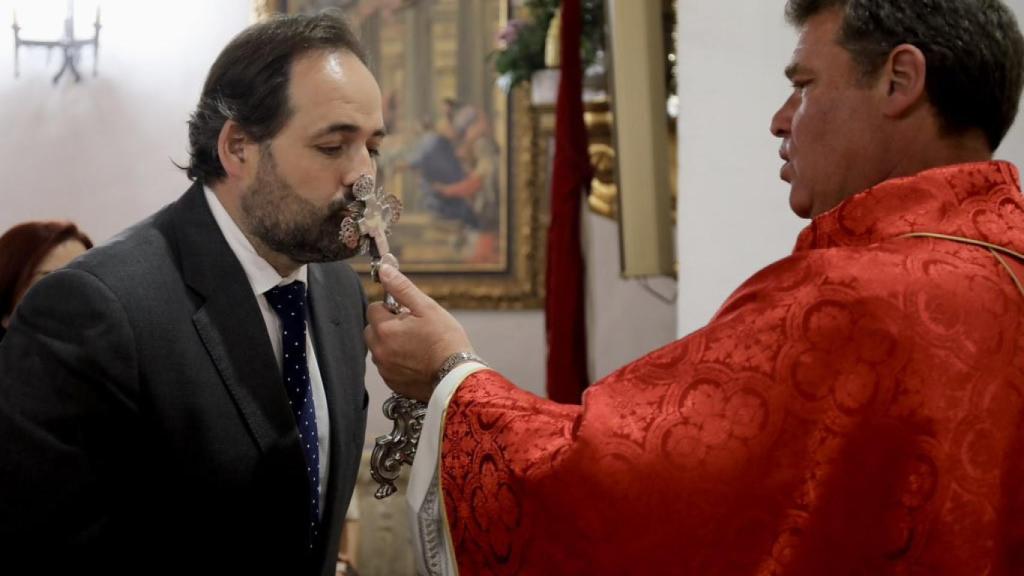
[[458, 150]]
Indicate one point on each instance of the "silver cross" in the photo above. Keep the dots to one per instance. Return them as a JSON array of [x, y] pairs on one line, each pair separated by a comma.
[[370, 232], [376, 214]]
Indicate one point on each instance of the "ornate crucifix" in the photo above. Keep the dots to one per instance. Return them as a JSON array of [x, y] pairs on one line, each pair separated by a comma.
[[377, 212], [369, 233]]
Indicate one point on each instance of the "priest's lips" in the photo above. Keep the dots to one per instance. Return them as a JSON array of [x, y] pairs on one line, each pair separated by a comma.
[[786, 172]]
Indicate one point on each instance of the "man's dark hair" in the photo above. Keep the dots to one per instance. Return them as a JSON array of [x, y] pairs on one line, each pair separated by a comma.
[[249, 83], [973, 48]]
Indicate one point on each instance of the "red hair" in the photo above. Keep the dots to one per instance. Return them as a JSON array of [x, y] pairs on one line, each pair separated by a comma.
[[22, 248]]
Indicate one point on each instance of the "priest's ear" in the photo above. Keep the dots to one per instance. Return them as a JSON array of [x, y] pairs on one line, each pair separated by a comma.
[[905, 73], [234, 148]]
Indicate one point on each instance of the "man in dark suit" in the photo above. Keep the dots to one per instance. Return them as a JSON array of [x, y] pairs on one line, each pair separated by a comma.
[[189, 397]]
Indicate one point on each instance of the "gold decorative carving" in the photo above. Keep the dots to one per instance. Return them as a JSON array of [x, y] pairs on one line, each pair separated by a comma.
[[553, 41], [604, 192], [597, 117]]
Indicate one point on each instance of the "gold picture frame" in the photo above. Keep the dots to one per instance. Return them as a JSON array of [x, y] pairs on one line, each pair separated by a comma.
[[471, 233]]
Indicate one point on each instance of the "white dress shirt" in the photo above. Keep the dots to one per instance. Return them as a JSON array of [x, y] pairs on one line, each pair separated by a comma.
[[263, 277]]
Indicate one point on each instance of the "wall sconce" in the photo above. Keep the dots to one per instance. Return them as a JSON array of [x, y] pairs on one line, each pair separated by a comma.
[[68, 45]]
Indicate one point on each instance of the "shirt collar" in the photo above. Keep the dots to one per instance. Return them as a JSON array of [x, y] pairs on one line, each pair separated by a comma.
[[261, 274], [980, 200]]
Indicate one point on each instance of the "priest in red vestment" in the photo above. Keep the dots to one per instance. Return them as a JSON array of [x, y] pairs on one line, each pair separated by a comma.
[[855, 408]]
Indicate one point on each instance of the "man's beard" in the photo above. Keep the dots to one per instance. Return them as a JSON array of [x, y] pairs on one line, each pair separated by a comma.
[[289, 224]]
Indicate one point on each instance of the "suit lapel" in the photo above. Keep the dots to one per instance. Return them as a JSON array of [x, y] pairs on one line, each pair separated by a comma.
[[230, 324], [341, 370]]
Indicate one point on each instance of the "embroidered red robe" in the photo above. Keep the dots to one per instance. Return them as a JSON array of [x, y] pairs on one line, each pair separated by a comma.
[[855, 408]]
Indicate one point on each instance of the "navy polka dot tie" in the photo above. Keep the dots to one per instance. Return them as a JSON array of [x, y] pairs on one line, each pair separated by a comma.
[[289, 302]]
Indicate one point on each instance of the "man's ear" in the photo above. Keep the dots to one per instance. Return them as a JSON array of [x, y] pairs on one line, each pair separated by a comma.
[[232, 148], [905, 75]]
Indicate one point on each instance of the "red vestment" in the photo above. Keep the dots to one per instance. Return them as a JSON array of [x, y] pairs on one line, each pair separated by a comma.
[[855, 408]]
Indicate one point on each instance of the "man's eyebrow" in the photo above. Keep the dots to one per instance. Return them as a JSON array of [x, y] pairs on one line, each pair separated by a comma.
[[793, 69], [345, 128]]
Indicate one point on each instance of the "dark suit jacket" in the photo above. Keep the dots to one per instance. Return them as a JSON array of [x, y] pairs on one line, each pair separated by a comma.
[[143, 424]]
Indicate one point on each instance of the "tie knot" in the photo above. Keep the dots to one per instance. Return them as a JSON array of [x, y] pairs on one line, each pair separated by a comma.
[[288, 301]]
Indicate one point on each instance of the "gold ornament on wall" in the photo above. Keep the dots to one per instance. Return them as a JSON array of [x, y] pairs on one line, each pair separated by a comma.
[[604, 192], [553, 42]]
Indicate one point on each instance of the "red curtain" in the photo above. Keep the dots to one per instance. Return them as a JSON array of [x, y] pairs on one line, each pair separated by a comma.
[[564, 308]]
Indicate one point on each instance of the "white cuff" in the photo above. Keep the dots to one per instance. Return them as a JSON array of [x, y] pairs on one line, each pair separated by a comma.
[[429, 533], [428, 450]]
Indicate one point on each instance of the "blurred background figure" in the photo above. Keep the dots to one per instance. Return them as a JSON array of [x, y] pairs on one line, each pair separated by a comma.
[[434, 156], [480, 157], [29, 251]]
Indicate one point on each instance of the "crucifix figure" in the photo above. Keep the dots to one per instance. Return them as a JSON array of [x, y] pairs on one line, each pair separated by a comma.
[[377, 212], [369, 233]]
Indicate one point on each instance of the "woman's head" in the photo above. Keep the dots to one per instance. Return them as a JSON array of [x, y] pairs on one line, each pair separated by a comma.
[[30, 251]]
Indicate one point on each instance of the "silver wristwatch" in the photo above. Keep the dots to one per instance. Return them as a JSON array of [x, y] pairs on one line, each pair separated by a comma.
[[454, 360]]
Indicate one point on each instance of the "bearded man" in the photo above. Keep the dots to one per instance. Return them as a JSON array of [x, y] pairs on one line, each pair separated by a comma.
[[855, 408], [189, 397]]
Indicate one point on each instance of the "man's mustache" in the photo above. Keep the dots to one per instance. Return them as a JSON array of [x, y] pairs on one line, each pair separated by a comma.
[[339, 209]]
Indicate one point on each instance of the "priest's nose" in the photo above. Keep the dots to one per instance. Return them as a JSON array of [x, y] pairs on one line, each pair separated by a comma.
[[782, 121]]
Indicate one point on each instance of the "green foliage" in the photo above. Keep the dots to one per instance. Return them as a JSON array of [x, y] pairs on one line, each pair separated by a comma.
[[522, 41]]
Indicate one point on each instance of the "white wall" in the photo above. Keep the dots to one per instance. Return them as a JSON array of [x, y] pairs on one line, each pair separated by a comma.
[[733, 213], [734, 216], [100, 153], [1012, 148]]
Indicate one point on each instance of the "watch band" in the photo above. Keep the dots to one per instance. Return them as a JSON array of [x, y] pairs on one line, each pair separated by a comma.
[[454, 360]]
